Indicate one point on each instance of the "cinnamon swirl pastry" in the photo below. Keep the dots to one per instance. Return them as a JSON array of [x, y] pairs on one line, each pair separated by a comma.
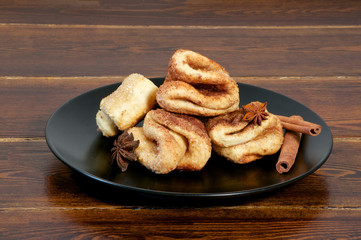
[[247, 134], [171, 141], [197, 85]]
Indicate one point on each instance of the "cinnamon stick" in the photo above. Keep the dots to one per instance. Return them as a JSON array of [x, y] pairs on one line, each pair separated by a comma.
[[300, 125], [289, 149]]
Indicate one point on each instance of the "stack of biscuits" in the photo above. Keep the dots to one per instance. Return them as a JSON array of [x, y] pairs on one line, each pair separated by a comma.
[[194, 111]]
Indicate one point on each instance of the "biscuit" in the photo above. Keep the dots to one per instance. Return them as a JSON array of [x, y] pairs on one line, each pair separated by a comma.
[[127, 105]]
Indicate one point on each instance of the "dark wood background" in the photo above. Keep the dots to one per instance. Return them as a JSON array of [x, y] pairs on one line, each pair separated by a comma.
[[53, 50]]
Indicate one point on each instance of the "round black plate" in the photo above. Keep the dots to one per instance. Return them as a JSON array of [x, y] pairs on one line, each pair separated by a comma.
[[71, 134]]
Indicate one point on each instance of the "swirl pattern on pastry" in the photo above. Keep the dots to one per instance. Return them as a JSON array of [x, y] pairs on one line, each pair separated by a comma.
[[171, 141], [197, 85], [243, 142]]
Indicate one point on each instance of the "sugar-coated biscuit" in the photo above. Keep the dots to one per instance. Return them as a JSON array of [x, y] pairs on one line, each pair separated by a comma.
[[241, 141], [170, 141], [127, 105], [197, 85]]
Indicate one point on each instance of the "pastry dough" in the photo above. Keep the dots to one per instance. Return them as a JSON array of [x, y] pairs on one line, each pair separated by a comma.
[[197, 85], [242, 142], [106, 124], [267, 144], [171, 141], [127, 105]]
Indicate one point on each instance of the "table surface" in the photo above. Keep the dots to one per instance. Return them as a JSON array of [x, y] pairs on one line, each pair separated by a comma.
[[52, 51]]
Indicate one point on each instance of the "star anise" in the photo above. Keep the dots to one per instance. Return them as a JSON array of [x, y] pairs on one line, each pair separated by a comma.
[[255, 112], [123, 150]]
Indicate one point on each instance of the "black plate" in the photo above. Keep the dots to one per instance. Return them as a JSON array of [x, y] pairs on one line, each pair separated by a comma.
[[72, 136]]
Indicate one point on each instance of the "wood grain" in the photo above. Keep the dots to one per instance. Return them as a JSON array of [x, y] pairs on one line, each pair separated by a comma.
[[199, 12], [217, 223], [55, 50], [38, 188], [44, 95]]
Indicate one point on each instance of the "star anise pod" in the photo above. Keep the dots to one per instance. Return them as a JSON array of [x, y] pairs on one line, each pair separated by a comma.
[[255, 112], [123, 150]]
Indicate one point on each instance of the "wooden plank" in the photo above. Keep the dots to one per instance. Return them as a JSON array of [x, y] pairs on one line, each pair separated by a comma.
[[48, 200], [32, 178], [217, 12], [27, 103], [199, 223], [53, 50]]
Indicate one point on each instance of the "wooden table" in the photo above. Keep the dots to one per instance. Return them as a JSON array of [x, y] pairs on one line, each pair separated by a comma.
[[52, 51]]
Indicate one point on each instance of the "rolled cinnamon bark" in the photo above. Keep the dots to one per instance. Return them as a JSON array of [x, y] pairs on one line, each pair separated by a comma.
[[299, 125], [289, 149]]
